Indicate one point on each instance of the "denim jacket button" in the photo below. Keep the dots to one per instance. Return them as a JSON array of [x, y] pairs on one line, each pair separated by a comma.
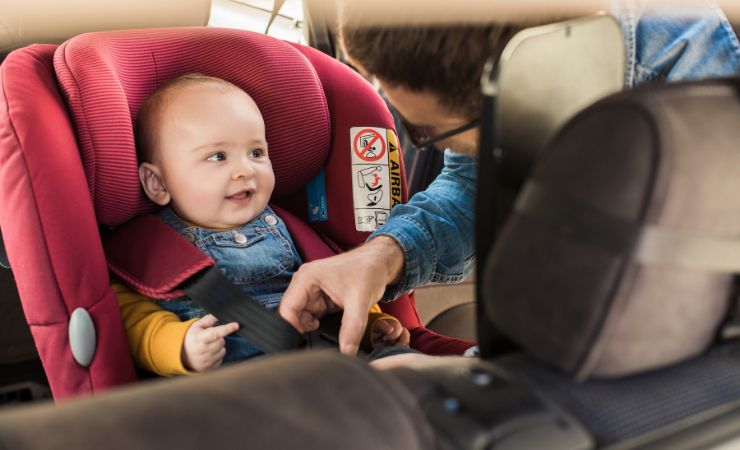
[[270, 219], [189, 236], [240, 238]]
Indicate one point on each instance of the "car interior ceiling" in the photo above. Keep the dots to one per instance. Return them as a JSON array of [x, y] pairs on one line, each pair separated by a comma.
[[692, 404]]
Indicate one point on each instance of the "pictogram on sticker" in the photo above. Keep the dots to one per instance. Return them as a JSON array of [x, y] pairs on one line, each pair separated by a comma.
[[369, 145], [376, 175]]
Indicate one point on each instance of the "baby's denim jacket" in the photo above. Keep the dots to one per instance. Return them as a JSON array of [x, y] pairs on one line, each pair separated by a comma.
[[259, 257]]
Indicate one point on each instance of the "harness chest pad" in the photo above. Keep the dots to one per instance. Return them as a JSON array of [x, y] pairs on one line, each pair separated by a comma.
[[153, 258]]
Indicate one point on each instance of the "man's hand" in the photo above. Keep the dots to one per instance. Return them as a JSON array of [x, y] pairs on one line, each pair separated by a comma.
[[353, 281], [390, 333], [204, 345]]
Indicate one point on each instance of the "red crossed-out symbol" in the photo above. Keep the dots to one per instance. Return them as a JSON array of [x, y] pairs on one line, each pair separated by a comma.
[[365, 145]]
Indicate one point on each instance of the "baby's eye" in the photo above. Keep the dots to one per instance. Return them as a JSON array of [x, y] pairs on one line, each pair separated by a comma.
[[256, 153], [218, 156]]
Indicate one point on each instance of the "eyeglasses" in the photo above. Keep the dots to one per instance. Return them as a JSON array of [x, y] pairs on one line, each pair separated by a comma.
[[423, 139]]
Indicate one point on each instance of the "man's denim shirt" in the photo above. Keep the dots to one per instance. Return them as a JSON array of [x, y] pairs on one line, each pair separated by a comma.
[[435, 229], [258, 256]]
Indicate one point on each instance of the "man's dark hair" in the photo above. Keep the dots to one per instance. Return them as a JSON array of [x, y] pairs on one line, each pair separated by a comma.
[[444, 60]]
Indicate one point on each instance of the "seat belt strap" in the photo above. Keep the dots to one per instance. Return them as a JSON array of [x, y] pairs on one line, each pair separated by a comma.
[[262, 328]]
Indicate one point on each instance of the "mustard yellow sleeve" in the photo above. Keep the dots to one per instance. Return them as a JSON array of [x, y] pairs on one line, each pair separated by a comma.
[[375, 315], [155, 336]]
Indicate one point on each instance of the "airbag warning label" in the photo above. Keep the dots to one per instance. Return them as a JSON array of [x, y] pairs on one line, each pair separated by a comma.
[[376, 175]]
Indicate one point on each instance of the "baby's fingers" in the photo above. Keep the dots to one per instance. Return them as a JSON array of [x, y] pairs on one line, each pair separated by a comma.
[[219, 358], [205, 322], [220, 332], [383, 327]]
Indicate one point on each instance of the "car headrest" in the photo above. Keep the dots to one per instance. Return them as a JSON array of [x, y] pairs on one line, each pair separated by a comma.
[[621, 251], [51, 21], [584, 61], [105, 77]]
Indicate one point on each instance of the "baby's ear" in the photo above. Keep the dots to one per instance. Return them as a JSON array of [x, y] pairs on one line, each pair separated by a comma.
[[153, 184]]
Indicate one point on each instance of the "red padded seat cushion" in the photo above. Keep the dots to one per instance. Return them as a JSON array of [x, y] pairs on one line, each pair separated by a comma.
[[49, 229], [105, 78]]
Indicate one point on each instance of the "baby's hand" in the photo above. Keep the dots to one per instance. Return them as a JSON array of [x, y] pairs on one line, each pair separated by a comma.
[[204, 345], [390, 333]]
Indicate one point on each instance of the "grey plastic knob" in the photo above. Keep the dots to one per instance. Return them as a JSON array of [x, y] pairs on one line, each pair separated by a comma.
[[82, 338]]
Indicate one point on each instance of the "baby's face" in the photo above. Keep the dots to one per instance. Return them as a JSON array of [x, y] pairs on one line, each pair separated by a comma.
[[213, 157]]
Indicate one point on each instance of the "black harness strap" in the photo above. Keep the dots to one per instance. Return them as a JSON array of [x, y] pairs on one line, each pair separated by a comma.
[[264, 329]]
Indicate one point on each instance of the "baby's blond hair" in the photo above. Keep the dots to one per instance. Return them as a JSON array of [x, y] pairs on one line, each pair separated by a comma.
[[148, 119]]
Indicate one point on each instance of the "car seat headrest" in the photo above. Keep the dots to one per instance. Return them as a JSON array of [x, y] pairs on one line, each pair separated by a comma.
[[620, 254], [106, 76], [52, 21], [583, 60]]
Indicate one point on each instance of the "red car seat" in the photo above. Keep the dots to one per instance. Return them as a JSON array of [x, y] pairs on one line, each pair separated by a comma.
[[69, 167]]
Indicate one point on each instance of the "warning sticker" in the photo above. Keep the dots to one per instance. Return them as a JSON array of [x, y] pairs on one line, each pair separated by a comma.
[[376, 175], [368, 144], [394, 158]]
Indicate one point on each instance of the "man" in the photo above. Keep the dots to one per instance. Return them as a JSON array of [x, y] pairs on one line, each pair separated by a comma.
[[431, 76]]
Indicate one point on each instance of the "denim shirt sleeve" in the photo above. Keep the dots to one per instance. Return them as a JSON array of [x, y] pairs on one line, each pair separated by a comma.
[[435, 228], [676, 43]]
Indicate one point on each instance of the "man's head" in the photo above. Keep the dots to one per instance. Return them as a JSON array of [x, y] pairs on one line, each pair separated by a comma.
[[431, 74], [202, 148]]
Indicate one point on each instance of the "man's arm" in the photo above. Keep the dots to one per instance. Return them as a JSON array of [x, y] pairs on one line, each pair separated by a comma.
[[435, 230], [352, 281], [429, 239], [665, 43]]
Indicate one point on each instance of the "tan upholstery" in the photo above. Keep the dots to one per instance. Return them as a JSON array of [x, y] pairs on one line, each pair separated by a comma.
[[51, 21]]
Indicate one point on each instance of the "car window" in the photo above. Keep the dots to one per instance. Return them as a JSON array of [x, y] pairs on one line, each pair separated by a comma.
[[254, 15]]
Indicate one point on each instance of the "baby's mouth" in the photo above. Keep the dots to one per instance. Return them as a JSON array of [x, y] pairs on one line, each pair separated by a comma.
[[242, 195]]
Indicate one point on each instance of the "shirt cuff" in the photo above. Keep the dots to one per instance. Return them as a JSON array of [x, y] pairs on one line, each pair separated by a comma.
[[414, 241], [166, 354]]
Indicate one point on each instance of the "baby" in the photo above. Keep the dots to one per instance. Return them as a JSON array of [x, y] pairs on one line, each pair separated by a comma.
[[204, 158]]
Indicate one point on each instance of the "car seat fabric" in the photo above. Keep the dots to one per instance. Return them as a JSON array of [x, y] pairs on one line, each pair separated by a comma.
[[49, 228], [339, 87], [60, 199], [343, 89], [620, 409], [322, 400], [105, 78], [169, 259], [632, 172]]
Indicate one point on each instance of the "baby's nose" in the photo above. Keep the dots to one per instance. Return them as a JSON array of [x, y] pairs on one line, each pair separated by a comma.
[[243, 169]]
